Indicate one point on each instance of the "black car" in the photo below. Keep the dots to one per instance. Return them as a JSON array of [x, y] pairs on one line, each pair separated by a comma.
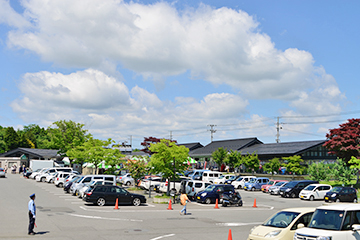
[[213, 192], [341, 194], [293, 188], [102, 194]]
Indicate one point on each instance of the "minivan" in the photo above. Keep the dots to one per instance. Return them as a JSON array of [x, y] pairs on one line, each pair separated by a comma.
[[191, 187], [256, 183], [210, 176], [293, 188], [42, 177]]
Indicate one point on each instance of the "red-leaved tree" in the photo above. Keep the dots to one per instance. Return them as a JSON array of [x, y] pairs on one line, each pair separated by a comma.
[[344, 141], [148, 141]]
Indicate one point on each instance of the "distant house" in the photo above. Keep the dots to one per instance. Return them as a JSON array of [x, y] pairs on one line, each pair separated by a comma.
[[192, 146]]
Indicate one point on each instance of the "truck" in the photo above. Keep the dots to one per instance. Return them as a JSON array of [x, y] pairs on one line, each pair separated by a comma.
[[40, 164]]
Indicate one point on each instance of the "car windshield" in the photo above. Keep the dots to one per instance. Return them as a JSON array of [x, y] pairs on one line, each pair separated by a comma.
[[271, 183], [222, 176], [281, 219], [290, 184], [279, 183], [327, 219], [336, 189], [232, 178], [210, 188], [310, 188], [252, 180]]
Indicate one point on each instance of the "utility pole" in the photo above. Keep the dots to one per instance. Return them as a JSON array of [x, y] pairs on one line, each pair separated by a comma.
[[212, 130], [278, 130], [131, 142], [170, 135]]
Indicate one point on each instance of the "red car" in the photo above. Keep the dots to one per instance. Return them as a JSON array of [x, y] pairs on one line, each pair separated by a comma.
[[265, 188]]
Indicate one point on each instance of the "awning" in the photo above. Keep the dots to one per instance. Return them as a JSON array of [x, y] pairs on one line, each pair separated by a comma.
[[190, 161]]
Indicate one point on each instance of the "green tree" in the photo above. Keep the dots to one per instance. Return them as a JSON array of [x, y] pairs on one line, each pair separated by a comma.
[[11, 139], [38, 136], [294, 164], [95, 151], [320, 171], [272, 166], [66, 135], [219, 156], [137, 168], [2, 140], [251, 162], [341, 172], [233, 159], [168, 158]]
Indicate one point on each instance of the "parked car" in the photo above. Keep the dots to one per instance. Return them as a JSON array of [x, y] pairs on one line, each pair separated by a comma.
[[332, 222], [50, 178], [205, 175], [314, 191], [341, 194], [164, 185], [240, 181], [212, 192], [36, 172], [92, 184], [223, 178], [293, 188], [256, 183], [68, 184], [265, 188], [118, 178], [231, 179], [88, 178], [275, 189], [42, 176], [102, 195], [282, 225], [2, 172], [191, 187], [59, 179], [127, 180]]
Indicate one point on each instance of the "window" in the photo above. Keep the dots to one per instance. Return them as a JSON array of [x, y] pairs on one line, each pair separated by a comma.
[[109, 178], [190, 184], [211, 175], [305, 219], [100, 189], [198, 185], [98, 177], [205, 174], [87, 179]]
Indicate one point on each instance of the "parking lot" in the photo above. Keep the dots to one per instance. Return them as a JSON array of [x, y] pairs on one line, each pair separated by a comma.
[[62, 216]]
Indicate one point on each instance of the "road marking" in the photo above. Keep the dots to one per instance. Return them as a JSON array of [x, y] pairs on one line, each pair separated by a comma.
[[104, 218], [164, 236], [237, 224]]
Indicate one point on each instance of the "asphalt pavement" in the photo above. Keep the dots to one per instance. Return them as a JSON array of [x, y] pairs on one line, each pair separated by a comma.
[[62, 216]]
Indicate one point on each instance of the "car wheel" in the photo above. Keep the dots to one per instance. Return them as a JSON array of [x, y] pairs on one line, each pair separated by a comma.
[[43, 179], [252, 189], [337, 200], [128, 183], [239, 187], [101, 202], [224, 204], [136, 202], [293, 195], [207, 200], [355, 200], [61, 185], [311, 198]]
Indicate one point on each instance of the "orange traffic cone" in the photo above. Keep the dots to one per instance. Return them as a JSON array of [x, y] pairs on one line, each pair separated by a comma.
[[170, 208], [254, 203], [216, 204], [229, 237], [117, 204]]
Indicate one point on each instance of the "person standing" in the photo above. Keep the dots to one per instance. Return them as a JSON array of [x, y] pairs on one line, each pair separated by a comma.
[[184, 200], [32, 214]]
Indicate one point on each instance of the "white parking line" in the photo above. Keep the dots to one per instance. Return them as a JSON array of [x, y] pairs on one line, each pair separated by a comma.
[[164, 236], [237, 224], [104, 218]]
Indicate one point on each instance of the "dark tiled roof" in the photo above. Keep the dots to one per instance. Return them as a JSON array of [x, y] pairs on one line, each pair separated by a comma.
[[41, 153], [234, 144], [192, 146], [291, 148]]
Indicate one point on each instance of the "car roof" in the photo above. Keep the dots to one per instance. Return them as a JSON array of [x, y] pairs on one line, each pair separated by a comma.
[[340, 207], [319, 184], [298, 209]]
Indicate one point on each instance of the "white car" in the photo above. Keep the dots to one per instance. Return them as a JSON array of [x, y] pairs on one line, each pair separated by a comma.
[[240, 181], [149, 182], [36, 172], [59, 179], [50, 178], [194, 186], [314, 191], [223, 178], [164, 185], [332, 222]]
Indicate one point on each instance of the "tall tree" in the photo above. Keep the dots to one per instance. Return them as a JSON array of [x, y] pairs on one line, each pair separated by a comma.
[[251, 162], [219, 156], [344, 141], [294, 164], [151, 140], [11, 139], [2, 140], [272, 166], [233, 159], [168, 158], [320, 171], [66, 135]]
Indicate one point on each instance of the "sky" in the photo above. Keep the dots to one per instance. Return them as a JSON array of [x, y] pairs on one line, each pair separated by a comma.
[[177, 69]]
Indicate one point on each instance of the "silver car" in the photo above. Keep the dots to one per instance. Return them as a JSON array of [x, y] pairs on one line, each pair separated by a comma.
[[274, 190]]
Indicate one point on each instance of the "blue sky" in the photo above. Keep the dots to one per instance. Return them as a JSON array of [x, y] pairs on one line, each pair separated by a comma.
[[130, 70]]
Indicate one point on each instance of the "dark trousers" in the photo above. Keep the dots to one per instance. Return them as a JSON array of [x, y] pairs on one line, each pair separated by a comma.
[[31, 223]]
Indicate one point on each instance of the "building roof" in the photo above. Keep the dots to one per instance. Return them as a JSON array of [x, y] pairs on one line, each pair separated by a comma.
[[32, 152], [192, 146], [286, 148], [234, 144]]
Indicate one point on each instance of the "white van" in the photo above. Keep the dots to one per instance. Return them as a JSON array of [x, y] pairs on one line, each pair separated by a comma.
[[210, 176], [335, 222], [223, 178], [60, 178], [75, 187], [42, 177], [193, 186], [240, 181]]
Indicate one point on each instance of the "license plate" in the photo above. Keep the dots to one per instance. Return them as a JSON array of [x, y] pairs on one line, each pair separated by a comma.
[[198, 197], [301, 196], [326, 198]]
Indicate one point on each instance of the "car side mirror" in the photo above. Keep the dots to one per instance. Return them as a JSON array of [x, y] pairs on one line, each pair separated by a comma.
[[355, 227], [300, 225]]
